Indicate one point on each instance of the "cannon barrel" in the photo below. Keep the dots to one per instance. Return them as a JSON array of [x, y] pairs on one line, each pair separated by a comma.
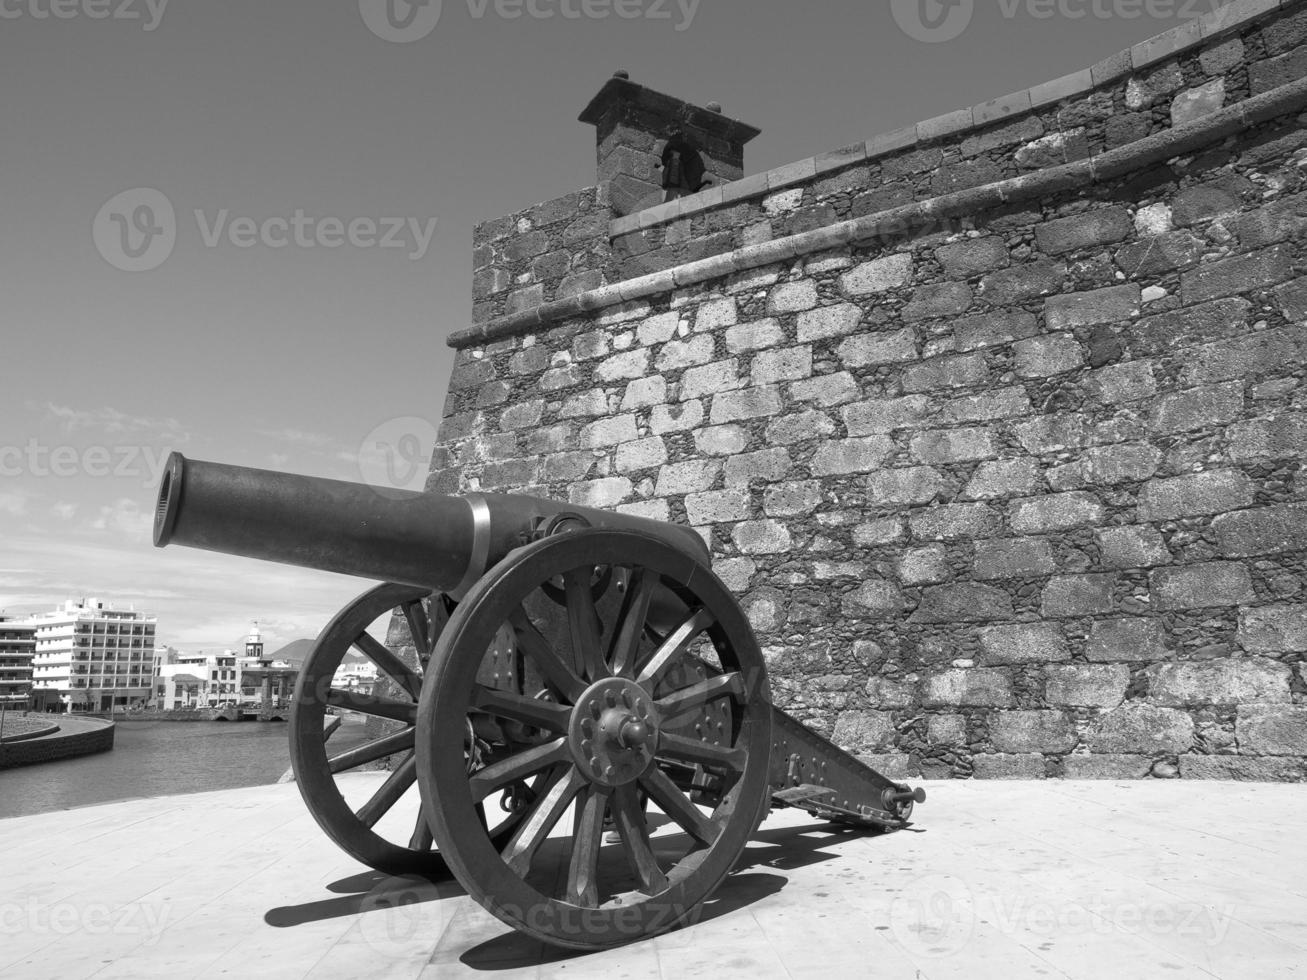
[[430, 540]]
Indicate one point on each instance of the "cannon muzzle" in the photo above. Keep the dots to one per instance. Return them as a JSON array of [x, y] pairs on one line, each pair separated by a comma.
[[439, 542]]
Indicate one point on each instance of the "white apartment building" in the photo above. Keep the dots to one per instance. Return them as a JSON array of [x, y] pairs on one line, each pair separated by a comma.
[[198, 680], [17, 644], [93, 656]]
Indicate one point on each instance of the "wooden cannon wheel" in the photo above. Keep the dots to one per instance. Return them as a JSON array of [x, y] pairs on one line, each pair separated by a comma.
[[618, 717], [398, 850]]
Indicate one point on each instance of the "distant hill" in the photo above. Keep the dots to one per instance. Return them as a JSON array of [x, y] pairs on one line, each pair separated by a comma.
[[295, 652]]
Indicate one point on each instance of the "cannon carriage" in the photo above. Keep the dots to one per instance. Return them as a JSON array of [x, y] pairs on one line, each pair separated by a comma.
[[584, 713]]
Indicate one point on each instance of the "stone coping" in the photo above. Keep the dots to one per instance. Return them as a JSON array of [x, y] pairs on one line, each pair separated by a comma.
[[1222, 20], [42, 730], [1107, 166]]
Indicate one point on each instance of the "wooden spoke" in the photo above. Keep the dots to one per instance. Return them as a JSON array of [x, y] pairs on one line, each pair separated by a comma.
[[518, 767], [398, 671], [678, 807], [629, 817], [529, 711], [372, 751], [696, 696], [583, 619], [419, 627], [587, 840], [405, 711], [421, 839], [631, 622], [544, 816], [555, 670], [673, 648], [388, 795], [701, 753]]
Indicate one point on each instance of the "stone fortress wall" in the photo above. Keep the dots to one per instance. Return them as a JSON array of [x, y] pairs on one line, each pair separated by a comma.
[[995, 424]]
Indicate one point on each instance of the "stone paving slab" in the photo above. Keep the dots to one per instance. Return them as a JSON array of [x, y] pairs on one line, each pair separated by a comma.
[[1001, 879]]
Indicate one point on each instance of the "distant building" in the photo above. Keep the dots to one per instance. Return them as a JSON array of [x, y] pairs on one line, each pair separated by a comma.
[[17, 646], [197, 680], [360, 677], [93, 656]]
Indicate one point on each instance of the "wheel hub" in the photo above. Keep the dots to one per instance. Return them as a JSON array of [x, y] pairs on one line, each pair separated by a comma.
[[613, 733]]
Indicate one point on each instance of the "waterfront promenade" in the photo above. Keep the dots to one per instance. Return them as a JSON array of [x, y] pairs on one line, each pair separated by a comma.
[[998, 879]]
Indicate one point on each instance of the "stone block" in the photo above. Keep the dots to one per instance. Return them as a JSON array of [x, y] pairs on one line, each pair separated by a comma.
[[1126, 640], [797, 499], [1194, 103], [951, 521], [1042, 357], [973, 256], [1264, 531], [977, 687], [1032, 731], [1160, 255], [1263, 76], [945, 446], [715, 314], [860, 732], [1077, 595], [678, 354], [1201, 586], [886, 347], [641, 454], [1198, 408], [748, 403], [904, 487], [960, 371], [842, 457], [1219, 682], [882, 415], [1268, 351], [1274, 629], [609, 432], [829, 321], [1235, 767], [1114, 767], [1240, 274], [799, 427], [945, 299], [996, 403], [1056, 512], [568, 467], [1000, 765], [1165, 333], [737, 573], [647, 392], [873, 534], [1110, 465], [1131, 547], [885, 693], [1118, 383], [1022, 283], [718, 507], [585, 405], [658, 329], [1113, 304], [676, 418], [754, 335], [1086, 685], [688, 476], [962, 602], [1089, 229], [876, 599], [923, 566], [1211, 492], [1023, 643], [826, 390], [878, 275], [1282, 437], [601, 494], [993, 329], [764, 466], [1272, 729], [762, 538], [946, 729], [788, 364], [707, 379], [1003, 478], [792, 297], [1141, 728], [1000, 558]]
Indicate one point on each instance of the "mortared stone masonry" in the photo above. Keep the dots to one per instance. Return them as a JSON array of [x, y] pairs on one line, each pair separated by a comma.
[[995, 424]]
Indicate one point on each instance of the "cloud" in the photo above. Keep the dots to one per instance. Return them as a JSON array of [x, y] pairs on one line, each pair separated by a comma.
[[298, 437], [64, 511], [13, 502], [125, 516], [110, 420]]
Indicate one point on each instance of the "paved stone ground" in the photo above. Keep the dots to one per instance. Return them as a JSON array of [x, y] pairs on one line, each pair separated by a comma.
[[1047, 879]]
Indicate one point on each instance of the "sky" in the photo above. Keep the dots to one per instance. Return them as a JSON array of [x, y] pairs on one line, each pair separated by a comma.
[[241, 229]]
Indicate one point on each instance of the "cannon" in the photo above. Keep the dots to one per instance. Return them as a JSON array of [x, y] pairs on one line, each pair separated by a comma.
[[579, 700]]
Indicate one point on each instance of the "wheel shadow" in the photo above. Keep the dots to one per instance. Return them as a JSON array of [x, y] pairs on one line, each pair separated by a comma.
[[756, 876]]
